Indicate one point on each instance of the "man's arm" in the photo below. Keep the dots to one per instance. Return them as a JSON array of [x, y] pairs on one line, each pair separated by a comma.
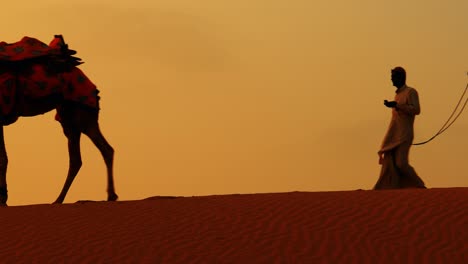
[[412, 106]]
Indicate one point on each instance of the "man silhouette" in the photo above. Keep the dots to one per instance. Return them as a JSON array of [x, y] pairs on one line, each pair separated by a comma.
[[396, 171]]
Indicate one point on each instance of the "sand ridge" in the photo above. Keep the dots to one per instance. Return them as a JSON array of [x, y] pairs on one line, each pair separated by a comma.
[[391, 226]]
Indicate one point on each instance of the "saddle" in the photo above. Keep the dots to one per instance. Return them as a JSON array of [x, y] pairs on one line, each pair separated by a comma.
[[32, 69], [20, 55]]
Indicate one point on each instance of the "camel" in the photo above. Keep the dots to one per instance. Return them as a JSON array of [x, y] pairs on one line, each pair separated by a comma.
[[74, 117]]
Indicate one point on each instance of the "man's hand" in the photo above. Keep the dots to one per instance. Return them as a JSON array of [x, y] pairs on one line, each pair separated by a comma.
[[390, 104]]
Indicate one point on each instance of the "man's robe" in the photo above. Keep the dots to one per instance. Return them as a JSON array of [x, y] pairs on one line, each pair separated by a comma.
[[400, 134]]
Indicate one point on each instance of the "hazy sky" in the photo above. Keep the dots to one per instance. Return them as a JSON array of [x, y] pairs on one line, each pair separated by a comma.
[[217, 97]]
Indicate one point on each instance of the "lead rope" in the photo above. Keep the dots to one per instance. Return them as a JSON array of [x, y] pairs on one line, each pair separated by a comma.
[[445, 126]]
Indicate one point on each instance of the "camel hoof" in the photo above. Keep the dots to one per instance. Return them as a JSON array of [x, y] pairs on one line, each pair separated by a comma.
[[3, 195], [112, 197]]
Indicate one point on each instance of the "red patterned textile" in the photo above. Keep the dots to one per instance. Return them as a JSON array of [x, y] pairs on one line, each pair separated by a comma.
[[38, 80], [26, 48]]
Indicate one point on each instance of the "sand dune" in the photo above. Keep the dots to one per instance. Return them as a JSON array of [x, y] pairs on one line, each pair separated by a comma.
[[393, 226]]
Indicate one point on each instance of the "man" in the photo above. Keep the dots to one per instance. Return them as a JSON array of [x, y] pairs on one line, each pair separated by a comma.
[[396, 171]]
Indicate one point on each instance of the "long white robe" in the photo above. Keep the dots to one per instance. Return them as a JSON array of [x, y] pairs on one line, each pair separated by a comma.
[[396, 171], [401, 125]]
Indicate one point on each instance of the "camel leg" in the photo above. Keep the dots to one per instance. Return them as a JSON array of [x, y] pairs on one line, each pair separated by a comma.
[[94, 133], [73, 137], [3, 169]]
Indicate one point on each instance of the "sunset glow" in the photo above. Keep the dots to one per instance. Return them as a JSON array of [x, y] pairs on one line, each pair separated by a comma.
[[219, 97]]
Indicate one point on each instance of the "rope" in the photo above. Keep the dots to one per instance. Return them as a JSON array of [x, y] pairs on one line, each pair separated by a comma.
[[445, 126]]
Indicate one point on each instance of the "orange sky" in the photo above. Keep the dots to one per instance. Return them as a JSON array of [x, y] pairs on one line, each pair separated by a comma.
[[209, 97]]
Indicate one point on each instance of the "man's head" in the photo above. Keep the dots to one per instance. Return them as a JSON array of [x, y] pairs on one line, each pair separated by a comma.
[[398, 77]]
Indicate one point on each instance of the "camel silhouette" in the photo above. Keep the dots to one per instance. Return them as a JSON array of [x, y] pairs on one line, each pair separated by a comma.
[[49, 79]]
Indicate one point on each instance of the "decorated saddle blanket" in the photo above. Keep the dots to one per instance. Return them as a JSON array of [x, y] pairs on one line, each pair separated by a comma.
[[39, 79], [26, 48]]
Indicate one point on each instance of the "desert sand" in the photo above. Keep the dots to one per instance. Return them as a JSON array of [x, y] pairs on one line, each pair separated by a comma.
[[391, 226]]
